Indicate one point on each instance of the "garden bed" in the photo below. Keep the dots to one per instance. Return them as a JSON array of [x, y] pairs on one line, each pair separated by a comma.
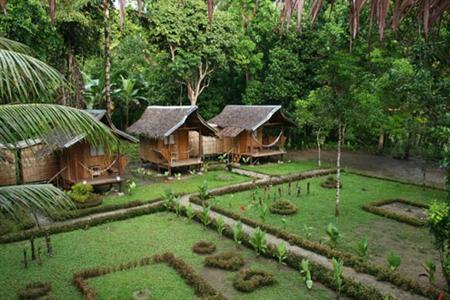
[[401, 210]]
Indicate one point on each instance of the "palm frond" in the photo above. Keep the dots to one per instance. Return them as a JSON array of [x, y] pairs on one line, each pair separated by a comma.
[[31, 121], [24, 78], [32, 197]]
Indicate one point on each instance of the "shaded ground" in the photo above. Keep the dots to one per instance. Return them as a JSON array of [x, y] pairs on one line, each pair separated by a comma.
[[375, 165]]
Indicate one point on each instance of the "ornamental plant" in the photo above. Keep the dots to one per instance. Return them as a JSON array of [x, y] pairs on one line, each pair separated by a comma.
[[169, 198], [362, 247], [203, 191], [259, 241], [178, 207], [131, 186], [80, 192], [305, 272], [333, 235], [338, 266], [262, 211], [190, 212], [220, 225], [394, 260], [281, 252], [238, 233], [204, 215]]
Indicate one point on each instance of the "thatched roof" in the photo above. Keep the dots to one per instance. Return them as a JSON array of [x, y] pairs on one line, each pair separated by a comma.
[[60, 140], [249, 117], [161, 121]]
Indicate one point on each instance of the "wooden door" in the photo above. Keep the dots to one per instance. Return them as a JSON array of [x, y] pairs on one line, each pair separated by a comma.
[[183, 144]]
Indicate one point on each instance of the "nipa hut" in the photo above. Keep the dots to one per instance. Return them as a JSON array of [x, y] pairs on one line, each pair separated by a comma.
[[64, 160], [80, 162], [252, 131], [164, 136], [19, 163]]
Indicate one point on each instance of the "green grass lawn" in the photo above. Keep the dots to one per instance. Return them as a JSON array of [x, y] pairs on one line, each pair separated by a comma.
[[317, 209], [283, 168], [186, 184], [119, 242]]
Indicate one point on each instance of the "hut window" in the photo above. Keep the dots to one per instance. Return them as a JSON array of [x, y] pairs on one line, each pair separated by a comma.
[[170, 140], [97, 151]]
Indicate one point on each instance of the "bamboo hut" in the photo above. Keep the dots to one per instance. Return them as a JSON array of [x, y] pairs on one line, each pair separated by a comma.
[[252, 131], [80, 162], [19, 163], [164, 136]]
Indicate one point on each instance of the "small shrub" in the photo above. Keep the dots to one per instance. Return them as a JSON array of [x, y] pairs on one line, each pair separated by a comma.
[[362, 247], [333, 235], [204, 215], [283, 207], [305, 272], [131, 186], [204, 247], [178, 207], [35, 290], [259, 241], [80, 192], [190, 212], [231, 261], [203, 191], [249, 280], [169, 198], [238, 232], [220, 225], [338, 266], [262, 211], [430, 269], [394, 260], [281, 252]]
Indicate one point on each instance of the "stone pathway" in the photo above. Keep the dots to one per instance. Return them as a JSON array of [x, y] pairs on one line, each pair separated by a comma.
[[250, 173]]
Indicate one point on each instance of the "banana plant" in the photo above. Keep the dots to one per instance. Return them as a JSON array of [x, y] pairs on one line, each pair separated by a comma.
[[281, 252], [238, 233], [338, 266], [305, 272], [190, 212], [220, 225]]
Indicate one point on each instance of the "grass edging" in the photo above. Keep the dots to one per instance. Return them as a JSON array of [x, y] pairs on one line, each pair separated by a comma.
[[201, 287], [79, 224], [350, 260], [374, 207]]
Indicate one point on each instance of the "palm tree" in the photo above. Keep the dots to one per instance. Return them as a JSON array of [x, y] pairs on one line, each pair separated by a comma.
[[128, 95], [23, 79]]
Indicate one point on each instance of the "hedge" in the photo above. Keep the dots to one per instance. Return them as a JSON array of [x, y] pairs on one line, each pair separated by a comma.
[[351, 260], [204, 247], [200, 286], [35, 290], [374, 207], [231, 261], [69, 226], [249, 280]]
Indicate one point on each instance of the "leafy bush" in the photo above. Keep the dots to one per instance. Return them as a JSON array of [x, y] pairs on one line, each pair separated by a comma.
[[262, 211], [333, 235], [250, 280], [80, 192], [394, 260], [190, 212], [283, 207], [204, 247], [362, 247], [226, 260], [169, 198], [131, 186], [305, 272], [203, 191], [259, 241], [204, 215]]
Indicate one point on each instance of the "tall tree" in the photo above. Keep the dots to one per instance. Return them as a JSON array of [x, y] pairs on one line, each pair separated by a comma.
[[107, 54]]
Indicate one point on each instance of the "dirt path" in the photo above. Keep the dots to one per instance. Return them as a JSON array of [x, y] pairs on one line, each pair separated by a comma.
[[382, 166]]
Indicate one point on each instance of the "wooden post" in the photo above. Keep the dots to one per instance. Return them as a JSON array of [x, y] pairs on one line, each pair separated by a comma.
[[25, 260], [33, 252]]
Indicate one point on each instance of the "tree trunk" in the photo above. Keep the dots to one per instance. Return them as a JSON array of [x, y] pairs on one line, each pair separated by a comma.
[[319, 162], [107, 89], [338, 169], [381, 139], [191, 94], [77, 79], [126, 118]]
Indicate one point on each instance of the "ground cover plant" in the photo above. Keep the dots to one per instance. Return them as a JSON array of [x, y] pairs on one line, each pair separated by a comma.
[[316, 212], [131, 240], [282, 168]]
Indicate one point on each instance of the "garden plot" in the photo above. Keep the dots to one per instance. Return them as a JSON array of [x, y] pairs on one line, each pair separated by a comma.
[[120, 242], [282, 168], [315, 211], [405, 209]]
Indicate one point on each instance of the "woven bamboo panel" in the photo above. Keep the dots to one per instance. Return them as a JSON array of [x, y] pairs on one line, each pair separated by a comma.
[[211, 145], [36, 168], [7, 168]]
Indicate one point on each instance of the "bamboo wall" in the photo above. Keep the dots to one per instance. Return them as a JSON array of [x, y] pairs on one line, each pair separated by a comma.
[[7, 168], [38, 168], [211, 145]]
